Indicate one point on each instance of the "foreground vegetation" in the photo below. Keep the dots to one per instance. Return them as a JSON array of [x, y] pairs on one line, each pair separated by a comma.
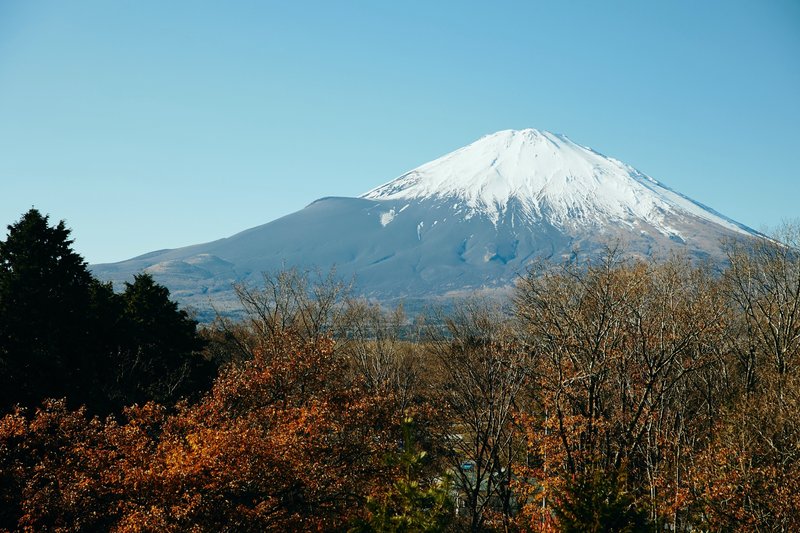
[[608, 396]]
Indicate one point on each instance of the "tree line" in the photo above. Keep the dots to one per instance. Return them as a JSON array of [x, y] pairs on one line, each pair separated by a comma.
[[607, 395], [63, 333]]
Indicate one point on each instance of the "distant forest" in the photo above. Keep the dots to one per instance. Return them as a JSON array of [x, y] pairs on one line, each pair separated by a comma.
[[605, 395]]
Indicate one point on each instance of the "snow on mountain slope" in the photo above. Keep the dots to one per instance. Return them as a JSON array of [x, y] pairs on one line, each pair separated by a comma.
[[551, 177], [471, 220]]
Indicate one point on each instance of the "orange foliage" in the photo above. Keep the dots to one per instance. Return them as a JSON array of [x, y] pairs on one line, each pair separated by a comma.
[[281, 443]]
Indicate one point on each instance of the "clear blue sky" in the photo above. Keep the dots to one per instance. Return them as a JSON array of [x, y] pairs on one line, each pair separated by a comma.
[[158, 124]]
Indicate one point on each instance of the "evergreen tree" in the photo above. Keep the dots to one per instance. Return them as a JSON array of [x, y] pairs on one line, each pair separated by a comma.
[[45, 289], [65, 334], [159, 358], [411, 504], [598, 503]]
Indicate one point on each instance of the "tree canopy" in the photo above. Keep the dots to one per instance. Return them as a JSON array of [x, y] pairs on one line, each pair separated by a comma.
[[63, 333], [45, 290]]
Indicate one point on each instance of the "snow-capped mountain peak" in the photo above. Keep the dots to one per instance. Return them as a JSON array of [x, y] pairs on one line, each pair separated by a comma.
[[545, 176], [472, 220]]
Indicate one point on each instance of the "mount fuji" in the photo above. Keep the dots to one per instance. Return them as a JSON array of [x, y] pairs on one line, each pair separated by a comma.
[[471, 220]]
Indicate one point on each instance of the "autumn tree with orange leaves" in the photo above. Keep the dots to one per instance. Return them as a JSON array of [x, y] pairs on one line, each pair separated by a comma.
[[279, 444], [617, 395]]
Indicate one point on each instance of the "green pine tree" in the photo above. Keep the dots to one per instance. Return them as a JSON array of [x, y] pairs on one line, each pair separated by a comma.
[[65, 334], [159, 358], [598, 503], [45, 289], [412, 505]]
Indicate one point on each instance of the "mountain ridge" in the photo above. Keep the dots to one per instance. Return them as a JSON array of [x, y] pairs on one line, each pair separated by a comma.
[[470, 220]]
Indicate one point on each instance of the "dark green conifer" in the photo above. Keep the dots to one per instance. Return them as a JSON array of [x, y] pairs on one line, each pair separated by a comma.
[[45, 289], [65, 334], [159, 359], [598, 503]]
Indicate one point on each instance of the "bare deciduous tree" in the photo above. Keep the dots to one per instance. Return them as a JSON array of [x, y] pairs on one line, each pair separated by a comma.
[[484, 372], [307, 303]]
